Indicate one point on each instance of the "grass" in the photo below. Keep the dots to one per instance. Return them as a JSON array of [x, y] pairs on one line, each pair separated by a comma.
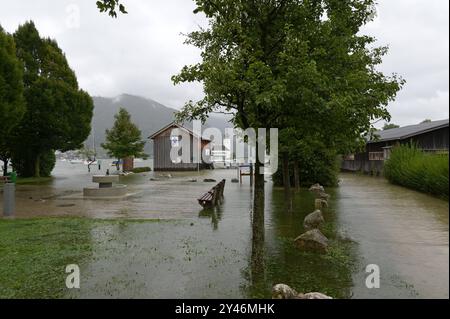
[[33, 180], [412, 168], [35, 252], [138, 170]]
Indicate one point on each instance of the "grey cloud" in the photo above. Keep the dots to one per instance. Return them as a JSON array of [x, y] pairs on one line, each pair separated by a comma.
[[139, 52]]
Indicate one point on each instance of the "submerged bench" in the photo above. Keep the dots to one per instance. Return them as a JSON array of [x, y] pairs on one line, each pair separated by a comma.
[[213, 197]]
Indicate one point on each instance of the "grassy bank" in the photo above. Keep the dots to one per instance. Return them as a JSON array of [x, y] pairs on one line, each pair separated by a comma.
[[35, 252], [412, 168]]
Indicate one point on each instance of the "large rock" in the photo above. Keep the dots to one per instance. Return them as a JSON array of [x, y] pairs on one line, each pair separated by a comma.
[[320, 204], [317, 188], [323, 195], [314, 220], [312, 240], [282, 291]]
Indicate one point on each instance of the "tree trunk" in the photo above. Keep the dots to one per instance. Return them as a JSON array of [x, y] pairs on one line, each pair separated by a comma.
[[37, 166], [5, 166], [296, 176], [287, 182], [258, 231]]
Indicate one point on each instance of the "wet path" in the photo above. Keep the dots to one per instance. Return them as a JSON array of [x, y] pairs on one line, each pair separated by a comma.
[[402, 231]]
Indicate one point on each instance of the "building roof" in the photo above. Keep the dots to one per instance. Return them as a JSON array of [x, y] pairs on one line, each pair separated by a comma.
[[408, 131], [175, 125]]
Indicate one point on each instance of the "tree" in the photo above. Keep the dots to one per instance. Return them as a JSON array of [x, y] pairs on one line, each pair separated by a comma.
[[124, 139], [59, 114], [390, 126], [297, 65], [12, 102], [111, 7]]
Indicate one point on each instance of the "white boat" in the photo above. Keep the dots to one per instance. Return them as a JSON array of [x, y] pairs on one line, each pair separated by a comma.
[[76, 161]]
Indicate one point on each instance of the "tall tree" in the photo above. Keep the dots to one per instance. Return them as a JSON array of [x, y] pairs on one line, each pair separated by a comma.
[[59, 114], [12, 102], [299, 64], [125, 138]]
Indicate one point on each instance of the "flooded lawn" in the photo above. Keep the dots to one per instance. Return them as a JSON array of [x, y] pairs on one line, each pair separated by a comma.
[[191, 253]]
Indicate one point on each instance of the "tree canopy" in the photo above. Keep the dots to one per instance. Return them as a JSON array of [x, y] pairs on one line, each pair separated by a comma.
[[12, 102], [58, 114], [124, 139], [300, 66]]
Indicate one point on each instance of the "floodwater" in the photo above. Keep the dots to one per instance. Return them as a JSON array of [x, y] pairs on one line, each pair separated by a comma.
[[191, 253], [402, 231]]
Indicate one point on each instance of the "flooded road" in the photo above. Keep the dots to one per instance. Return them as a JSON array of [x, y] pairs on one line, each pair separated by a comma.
[[192, 253], [402, 231]]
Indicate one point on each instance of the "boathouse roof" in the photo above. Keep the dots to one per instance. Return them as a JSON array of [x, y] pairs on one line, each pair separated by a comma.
[[175, 125]]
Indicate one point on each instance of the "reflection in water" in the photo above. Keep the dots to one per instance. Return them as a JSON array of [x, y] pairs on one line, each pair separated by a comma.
[[214, 213], [258, 266]]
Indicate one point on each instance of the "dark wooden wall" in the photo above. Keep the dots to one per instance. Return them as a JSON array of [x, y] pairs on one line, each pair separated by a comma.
[[437, 140]]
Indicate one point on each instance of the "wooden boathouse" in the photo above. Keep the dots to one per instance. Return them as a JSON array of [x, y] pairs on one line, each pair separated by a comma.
[[172, 136], [432, 137]]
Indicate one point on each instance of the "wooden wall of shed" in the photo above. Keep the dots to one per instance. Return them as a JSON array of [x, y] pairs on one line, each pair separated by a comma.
[[162, 147]]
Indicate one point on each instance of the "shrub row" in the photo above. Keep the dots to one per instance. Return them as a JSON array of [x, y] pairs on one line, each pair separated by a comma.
[[412, 168]]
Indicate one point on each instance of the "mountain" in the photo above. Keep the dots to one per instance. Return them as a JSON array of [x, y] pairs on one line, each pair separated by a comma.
[[148, 115]]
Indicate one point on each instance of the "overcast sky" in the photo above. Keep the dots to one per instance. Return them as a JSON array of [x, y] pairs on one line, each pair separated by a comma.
[[139, 52]]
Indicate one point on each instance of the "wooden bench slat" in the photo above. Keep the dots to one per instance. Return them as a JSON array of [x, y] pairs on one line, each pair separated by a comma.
[[211, 198]]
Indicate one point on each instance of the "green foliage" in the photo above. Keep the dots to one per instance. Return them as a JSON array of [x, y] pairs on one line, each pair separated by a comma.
[[389, 126], [111, 7], [412, 168], [47, 163], [317, 164], [124, 139], [138, 170], [24, 163], [12, 102], [58, 115], [301, 66]]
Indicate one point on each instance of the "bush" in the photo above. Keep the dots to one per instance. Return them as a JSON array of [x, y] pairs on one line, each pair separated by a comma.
[[23, 164], [315, 164], [412, 168], [138, 170]]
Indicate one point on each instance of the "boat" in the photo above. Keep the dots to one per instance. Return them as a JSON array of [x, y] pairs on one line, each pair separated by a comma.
[[114, 163]]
